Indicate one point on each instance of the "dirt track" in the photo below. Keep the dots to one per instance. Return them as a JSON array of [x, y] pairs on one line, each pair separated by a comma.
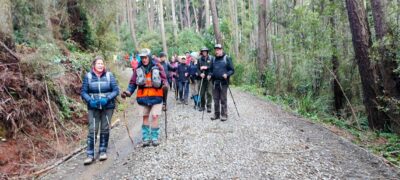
[[265, 143]]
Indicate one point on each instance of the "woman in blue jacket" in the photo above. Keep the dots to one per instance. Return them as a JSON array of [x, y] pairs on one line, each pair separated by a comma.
[[99, 90]]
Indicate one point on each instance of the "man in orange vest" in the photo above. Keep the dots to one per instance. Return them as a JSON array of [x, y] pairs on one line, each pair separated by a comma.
[[148, 78]]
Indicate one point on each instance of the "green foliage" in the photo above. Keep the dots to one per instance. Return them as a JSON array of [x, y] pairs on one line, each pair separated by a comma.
[[152, 41], [28, 21], [188, 40]]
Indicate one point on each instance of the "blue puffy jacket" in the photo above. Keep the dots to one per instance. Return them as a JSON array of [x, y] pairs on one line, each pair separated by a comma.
[[100, 87]]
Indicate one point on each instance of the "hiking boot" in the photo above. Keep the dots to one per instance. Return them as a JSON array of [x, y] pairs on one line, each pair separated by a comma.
[[208, 110], [155, 142], [224, 118], [186, 102], [146, 143], [154, 136], [215, 117], [88, 160], [164, 107], [201, 109], [146, 135], [103, 156]]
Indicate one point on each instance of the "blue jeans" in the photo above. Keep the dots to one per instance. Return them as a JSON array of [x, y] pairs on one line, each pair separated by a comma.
[[98, 118], [183, 87]]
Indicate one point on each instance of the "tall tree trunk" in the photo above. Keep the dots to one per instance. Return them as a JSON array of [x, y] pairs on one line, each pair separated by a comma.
[[150, 14], [187, 13], [6, 31], [214, 14], [174, 24], [195, 18], [181, 16], [234, 20], [338, 94], [207, 9], [387, 62], [161, 17], [262, 57], [131, 16], [362, 43]]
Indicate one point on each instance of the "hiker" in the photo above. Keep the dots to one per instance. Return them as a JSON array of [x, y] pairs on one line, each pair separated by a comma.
[[193, 77], [220, 71], [183, 81], [99, 89], [188, 58], [205, 87], [167, 67], [173, 75], [148, 78], [134, 62]]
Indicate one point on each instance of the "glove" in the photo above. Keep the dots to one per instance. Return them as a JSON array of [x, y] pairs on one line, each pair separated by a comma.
[[93, 103], [103, 101], [225, 76]]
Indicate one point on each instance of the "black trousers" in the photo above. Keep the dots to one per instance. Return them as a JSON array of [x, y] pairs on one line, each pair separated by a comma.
[[220, 99]]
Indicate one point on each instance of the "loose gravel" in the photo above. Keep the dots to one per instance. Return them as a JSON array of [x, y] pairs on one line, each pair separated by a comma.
[[264, 143]]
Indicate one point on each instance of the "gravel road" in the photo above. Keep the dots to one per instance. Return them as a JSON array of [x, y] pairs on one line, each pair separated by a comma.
[[264, 143]]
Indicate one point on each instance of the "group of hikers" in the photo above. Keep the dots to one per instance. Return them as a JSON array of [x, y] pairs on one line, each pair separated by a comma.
[[208, 77]]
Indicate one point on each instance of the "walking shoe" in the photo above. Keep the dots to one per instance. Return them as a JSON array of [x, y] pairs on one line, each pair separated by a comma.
[[224, 118], [186, 102], [208, 110], [146, 143], [164, 107], [201, 109], [215, 117], [103, 156], [88, 160], [155, 142]]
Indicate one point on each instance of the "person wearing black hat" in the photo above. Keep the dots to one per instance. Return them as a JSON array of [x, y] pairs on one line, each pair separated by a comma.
[[221, 69], [203, 69], [167, 67]]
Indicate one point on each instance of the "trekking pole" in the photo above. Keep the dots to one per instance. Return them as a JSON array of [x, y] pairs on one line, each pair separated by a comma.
[[109, 129], [201, 86], [94, 140], [166, 122], [233, 100], [127, 128]]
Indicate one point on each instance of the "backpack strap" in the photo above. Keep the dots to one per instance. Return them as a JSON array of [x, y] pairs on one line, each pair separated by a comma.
[[89, 75], [224, 59], [108, 78]]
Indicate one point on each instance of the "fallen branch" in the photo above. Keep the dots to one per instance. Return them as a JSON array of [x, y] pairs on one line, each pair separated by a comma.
[[65, 158], [10, 51], [62, 160], [293, 152]]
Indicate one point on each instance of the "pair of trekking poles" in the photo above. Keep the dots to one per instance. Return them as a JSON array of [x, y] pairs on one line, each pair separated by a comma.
[[95, 134], [198, 103]]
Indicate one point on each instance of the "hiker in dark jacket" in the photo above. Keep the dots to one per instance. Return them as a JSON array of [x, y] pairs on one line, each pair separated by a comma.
[[167, 67], [205, 86], [149, 79], [221, 70], [99, 90], [193, 76], [183, 81]]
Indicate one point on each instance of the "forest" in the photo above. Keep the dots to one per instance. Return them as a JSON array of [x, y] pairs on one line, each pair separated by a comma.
[[335, 62]]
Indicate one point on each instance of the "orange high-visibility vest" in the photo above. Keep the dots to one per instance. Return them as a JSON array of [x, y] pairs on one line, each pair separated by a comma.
[[148, 90]]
